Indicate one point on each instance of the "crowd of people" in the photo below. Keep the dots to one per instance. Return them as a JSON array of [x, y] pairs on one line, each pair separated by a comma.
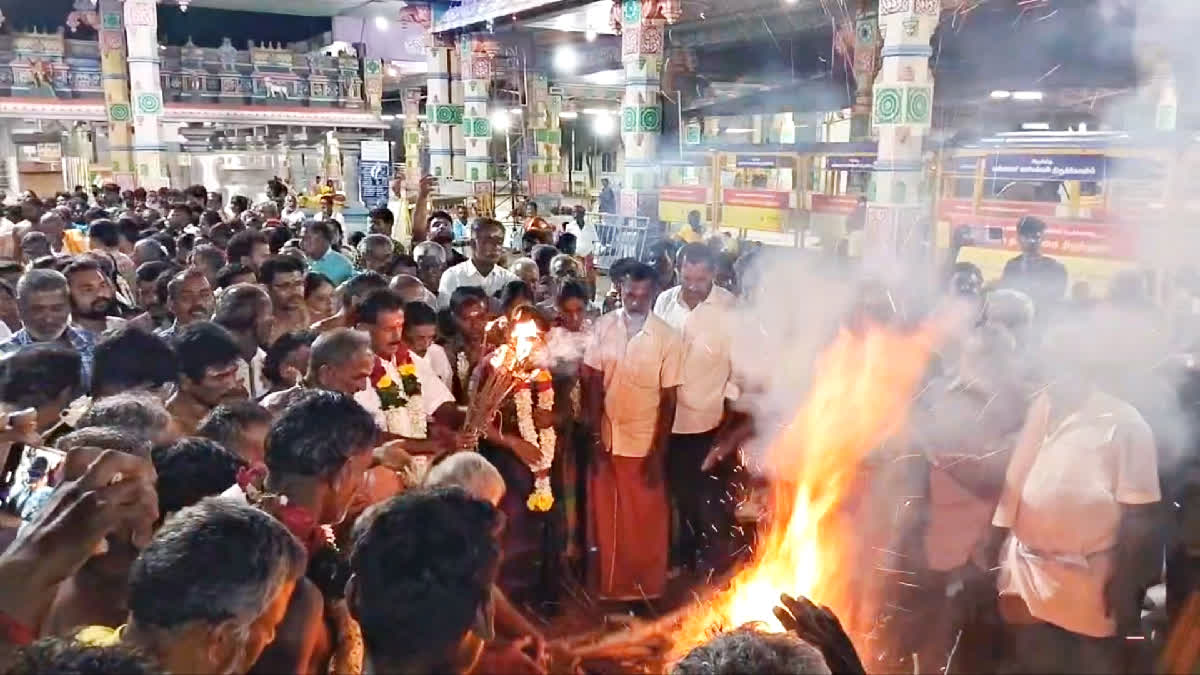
[[239, 442]]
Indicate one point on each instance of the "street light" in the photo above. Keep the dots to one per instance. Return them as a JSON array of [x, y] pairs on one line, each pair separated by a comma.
[[501, 120]]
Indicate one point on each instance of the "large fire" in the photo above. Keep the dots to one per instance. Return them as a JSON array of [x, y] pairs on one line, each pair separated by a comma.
[[862, 387]]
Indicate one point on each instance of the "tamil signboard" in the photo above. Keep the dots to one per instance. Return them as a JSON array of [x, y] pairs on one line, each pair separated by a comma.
[[850, 163]]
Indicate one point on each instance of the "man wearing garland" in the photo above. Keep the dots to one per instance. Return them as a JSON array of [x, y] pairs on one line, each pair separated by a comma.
[[404, 394]]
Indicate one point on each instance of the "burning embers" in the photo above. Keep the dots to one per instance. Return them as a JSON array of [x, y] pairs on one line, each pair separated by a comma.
[[861, 392]]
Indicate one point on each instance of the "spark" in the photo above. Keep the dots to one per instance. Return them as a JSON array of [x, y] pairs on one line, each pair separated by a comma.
[[1048, 73]]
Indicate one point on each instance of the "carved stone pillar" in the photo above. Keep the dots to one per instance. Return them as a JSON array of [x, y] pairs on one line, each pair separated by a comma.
[[114, 75], [141, 27]]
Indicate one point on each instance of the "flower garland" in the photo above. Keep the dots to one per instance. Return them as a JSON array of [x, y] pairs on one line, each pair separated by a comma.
[[542, 497], [403, 395]]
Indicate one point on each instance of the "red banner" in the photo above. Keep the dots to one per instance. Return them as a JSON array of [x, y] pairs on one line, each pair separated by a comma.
[[831, 204], [683, 193], [763, 199], [1064, 236]]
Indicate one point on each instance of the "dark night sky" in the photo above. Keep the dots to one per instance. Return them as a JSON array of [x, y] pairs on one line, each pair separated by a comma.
[[206, 27]]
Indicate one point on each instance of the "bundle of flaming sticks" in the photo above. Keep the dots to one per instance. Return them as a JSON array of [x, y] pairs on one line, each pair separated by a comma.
[[512, 364]]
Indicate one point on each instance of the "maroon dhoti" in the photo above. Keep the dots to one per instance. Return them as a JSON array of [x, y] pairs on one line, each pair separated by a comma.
[[628, 529]]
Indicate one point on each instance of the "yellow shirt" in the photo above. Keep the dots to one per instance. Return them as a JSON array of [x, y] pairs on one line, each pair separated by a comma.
[[689, 236], [75, 242]]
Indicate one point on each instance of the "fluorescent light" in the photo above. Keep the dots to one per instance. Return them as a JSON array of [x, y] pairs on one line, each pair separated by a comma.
[[605, 78], [590, 35], [387, 118], [1036, 126], [1027, 95], [599, 111], [501, 121], [568, 115], [1001, 94], [738, 130], [382, 23], [516, 111], [603, 125], [566, 60]]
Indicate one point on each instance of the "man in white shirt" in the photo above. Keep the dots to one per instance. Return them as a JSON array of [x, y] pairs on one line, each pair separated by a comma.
[[631, 375], [245, 310], [1078, 501], [429, 430], [702, 313], [483, 269]]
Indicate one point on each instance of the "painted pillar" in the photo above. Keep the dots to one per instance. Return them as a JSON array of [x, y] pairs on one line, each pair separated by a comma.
[[114, 75], [903, 102], [411, 106], [545, 106], [439, 109], [866, 66], [641, 110], [476, 126], [458, 150], [145, 90], [10, 177], [373, 84]]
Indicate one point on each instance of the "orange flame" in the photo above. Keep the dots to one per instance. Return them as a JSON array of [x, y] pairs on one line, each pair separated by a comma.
[[515, 355], [860, 396]]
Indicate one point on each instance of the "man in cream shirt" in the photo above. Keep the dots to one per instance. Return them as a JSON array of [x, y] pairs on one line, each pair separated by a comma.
[[1078, 502], [702, 313]]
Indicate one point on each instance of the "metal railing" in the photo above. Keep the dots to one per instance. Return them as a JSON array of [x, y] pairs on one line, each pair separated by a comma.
[[617, 237]]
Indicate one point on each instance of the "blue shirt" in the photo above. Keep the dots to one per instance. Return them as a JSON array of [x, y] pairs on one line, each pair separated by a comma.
[[460, 230], [79, 339], [333, 265]]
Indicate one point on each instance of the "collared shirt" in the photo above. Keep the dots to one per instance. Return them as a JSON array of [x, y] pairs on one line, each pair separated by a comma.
[[169, 332], [333, 265], [434, 393], [294, 217], [706, 332], [466, 274], [250, 374], [75, 337], [1062, 501], [637, 368]]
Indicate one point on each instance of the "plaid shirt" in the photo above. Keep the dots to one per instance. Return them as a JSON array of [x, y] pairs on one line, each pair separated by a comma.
[[77, 338]]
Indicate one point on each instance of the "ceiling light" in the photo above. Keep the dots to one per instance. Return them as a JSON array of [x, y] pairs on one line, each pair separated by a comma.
[[1035, 126], [392, 72], [382, 23], [566, 59], [387, 118], [501, 121], [603, 125], [1027, 95], [598, 111], [516, 111], [1001, 94], [738, 130], [568, 114], [605, 78], [590, 35]]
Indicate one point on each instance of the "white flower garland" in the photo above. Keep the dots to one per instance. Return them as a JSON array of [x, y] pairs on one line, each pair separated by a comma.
[[542, 497]]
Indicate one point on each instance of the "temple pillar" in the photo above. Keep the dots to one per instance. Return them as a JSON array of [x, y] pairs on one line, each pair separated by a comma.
[[866, 66], [10, 176], [439, 110], [902, 110], [411, 105], [114, 75], [458, 150], [141, 28], [476, 126], [641, 110], [545, 106]]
